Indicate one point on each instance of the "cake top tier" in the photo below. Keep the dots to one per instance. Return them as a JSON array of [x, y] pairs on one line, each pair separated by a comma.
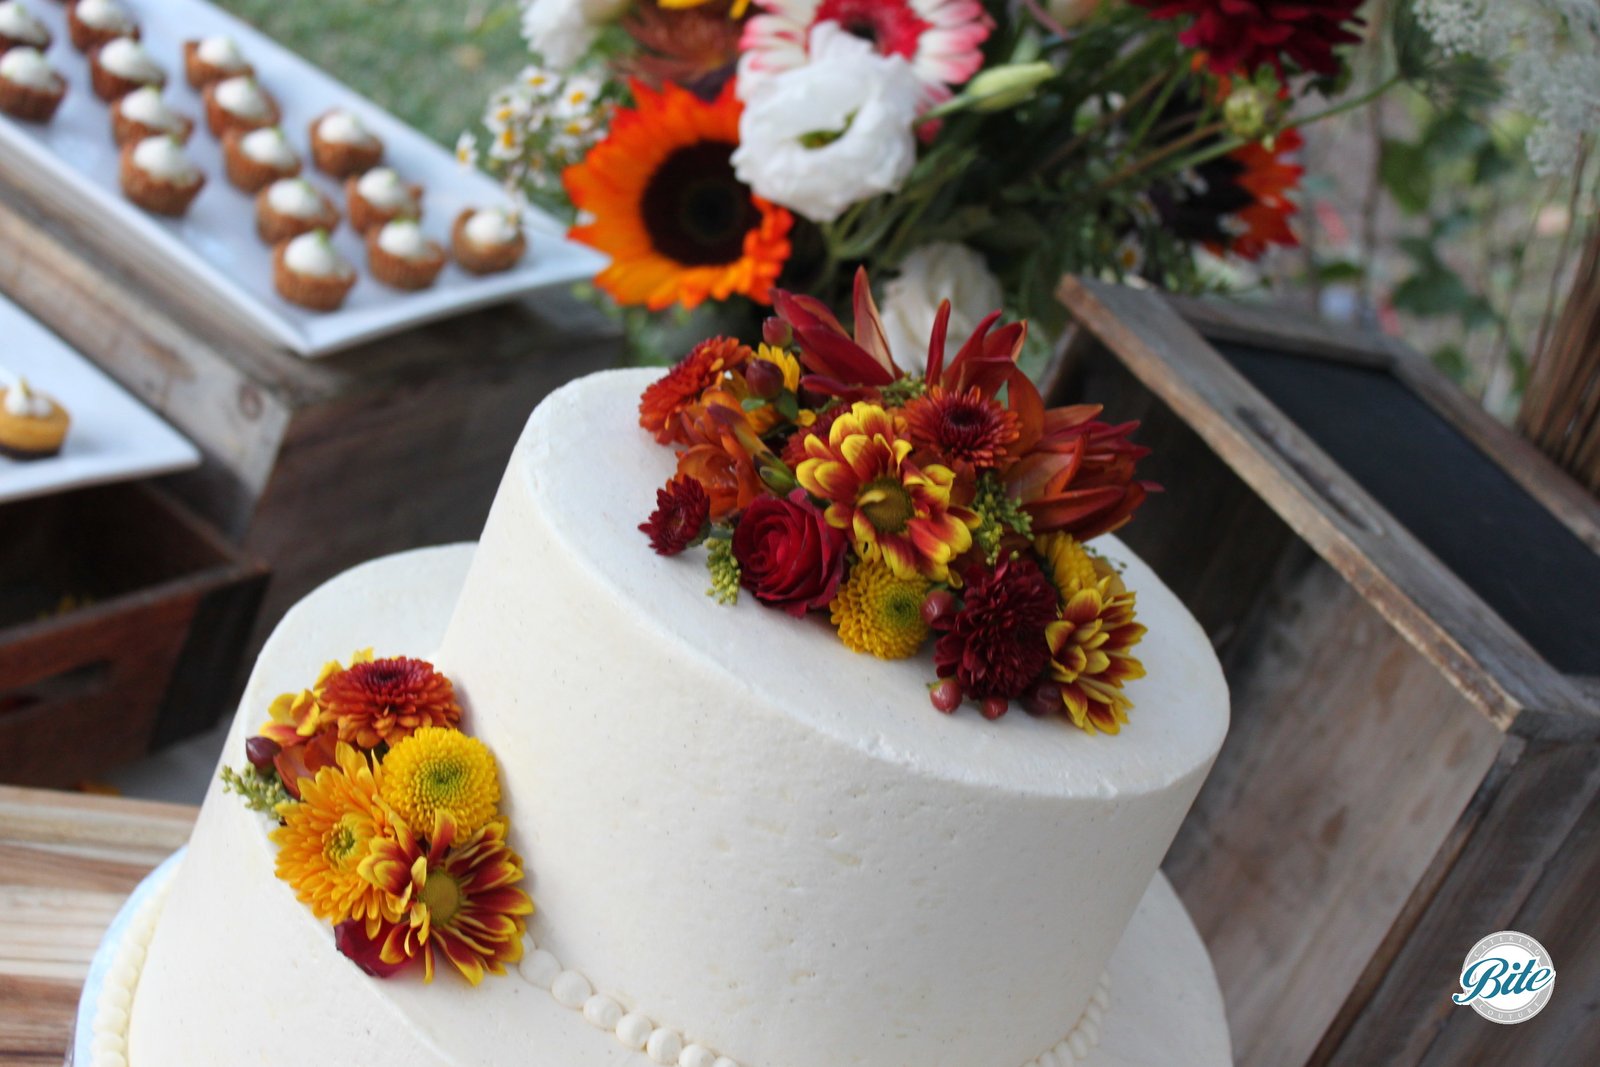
[[592, 474]]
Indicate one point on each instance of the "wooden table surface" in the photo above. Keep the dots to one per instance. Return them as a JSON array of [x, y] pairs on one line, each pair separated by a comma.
[[67, 862]]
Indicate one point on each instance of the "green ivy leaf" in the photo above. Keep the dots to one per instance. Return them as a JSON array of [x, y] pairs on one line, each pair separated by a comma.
[[1404, 169]]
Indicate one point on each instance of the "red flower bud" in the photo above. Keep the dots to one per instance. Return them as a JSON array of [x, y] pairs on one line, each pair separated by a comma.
[[261, 751], [764, 379], [1045, 699], [937, 607], [994, 707], [946, 696], [776, 332], [789, 556]]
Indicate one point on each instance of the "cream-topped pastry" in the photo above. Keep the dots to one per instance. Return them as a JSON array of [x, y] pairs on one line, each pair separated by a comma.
[[165, 158], [296, 197], [129, 59], [29, 67], [404, 238], [18, 25], [313, 255], [24, 403], [382, 188], [221, 52], [32, 426], [148, 107], [103, 15], [268, 145], [488, 240], [491, 226], [399, 254], [243, 97], [344, 127]]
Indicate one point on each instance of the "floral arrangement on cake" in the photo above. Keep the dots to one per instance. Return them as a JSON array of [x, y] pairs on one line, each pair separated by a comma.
[[387, 819], [948, 505], [717, 149]]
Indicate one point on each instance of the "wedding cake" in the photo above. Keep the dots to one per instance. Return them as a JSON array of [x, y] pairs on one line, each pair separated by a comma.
[[747, 844]]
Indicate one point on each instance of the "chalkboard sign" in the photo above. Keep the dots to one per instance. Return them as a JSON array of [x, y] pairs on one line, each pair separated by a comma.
[[1527, 566]]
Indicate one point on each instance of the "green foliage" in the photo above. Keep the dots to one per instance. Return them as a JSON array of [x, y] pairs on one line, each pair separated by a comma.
[[1000, 516], [262, 791]]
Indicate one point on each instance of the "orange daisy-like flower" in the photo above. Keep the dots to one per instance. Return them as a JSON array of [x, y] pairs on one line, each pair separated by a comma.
[[381, 701], [893, 509], [681, 387], [720, 455], [456, 896], [668, 209], [965, 428], [1269, 178], [1089, 653], [327, 836]]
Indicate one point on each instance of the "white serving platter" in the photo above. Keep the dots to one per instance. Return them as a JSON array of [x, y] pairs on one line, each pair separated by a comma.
[[112, 438], [215, 246]]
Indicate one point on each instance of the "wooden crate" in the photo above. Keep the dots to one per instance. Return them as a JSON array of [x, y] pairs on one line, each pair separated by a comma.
[[312, 465], [1414, 758], [122, 619]]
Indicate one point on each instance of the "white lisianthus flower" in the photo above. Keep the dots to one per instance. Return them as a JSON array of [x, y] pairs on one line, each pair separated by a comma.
[[562, 30], [822, 136], [934, 272]]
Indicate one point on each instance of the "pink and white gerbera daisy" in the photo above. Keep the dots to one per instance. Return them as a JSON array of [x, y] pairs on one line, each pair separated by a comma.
[[941, 39]]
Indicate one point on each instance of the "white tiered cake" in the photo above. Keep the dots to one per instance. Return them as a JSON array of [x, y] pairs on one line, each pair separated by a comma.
[[747, 844]]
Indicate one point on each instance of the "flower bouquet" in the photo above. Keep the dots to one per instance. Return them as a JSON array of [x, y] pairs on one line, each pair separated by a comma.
[[946, 504], [717, 149]]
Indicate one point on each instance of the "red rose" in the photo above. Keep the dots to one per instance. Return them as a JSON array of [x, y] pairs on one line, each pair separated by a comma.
[[789, 556]]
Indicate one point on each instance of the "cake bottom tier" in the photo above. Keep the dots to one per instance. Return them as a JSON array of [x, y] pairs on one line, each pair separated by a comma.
[[223, 965]]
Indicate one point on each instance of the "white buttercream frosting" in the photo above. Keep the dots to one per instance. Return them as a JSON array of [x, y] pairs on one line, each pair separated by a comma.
[[405, 239], [296, 197], [163, 157], [382, 187], [28, 66], [103, 14], [343, 127], [243, 97], [268, 145], [129, 59], [20, 24], [24, 403], [491, 226], [221, 52], [314, 255], [147, 107]]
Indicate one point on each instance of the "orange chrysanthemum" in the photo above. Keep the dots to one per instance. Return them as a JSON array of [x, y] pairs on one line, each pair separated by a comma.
[[329, 833], [681, 387], [382, 701], [456, 896], [668, 209], [968, 428], [1090, 653], [893, 509]]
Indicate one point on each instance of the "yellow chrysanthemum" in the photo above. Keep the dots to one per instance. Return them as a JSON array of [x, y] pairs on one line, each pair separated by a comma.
[[438, 769], [1071, 567], [328, 833], [880, 613]]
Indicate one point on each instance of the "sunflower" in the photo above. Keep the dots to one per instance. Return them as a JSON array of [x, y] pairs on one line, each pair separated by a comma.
[[893, 509], [329, 833], [456, 896], [678, 225]]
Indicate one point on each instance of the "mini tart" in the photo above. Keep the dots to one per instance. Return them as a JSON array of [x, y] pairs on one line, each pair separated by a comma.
[[341, 159], [200, 73], [477, 257], [37, 35], [31, 103], [125, 129], [156, 194], [366, 216], [409, 272], [276, 226], [220, 120], [32, 436], [248, 173], [85, 36], [111, 86], [319, 292]]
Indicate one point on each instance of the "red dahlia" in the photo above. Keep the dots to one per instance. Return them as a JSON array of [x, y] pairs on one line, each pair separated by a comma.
[[995, 645], [682, 510], [387, 700], [962, 428], [1241, 36]]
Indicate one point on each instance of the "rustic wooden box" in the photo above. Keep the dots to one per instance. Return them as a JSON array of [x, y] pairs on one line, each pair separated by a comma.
[[122, 619], [1414, 758], [312, 465]]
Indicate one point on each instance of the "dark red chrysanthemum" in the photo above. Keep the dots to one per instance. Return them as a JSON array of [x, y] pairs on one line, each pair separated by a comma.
[[961, 428], [1241, 36], [387, 700], [679, 390], [683, 507], [994, 646]]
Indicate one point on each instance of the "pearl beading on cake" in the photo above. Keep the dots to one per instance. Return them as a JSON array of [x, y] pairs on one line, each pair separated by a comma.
[[669, 1048], [109, 1045]]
